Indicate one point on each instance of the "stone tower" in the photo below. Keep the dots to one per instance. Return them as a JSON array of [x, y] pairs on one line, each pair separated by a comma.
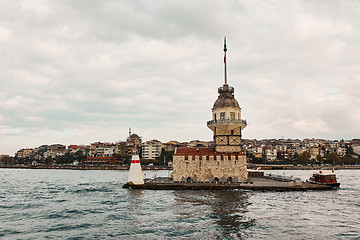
[[226, 163], [226, 122]]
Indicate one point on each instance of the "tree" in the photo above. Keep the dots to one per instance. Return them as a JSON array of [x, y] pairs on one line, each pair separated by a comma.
[[349, 160], [333, 158], [304, 157], [296, 156], [349, 150], [319, 159], [256, 160], [6, 159], [165, 157], [48, 160]]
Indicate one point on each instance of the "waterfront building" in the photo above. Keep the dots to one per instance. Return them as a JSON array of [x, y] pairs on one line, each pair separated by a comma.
[[256, 151], [151, 149], [99, 149], [226, 161], [314, 151], [341, 151], [356, 148], [198, 143], [283, 155], [23, 153], [102, 160], [171, 145], [270, 153], [281, 148]]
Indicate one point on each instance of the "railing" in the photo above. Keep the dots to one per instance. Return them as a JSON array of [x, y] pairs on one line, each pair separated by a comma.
[[226, 88], [227, 121], [282, 178]]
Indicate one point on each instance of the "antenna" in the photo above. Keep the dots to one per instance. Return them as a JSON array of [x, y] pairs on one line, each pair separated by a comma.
[[225, 50]]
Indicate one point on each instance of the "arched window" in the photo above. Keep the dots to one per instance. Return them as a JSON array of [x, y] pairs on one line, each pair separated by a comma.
[[189, 179], [229, 179], [216, 180]]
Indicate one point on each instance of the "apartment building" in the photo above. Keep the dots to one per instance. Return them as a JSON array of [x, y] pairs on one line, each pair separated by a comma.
[[151, 149]]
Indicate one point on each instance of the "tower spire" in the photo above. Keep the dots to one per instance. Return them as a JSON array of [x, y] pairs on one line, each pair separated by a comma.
[[225, 50]]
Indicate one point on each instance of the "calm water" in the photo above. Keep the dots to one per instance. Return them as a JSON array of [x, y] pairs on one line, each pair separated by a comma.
[[71, 204]]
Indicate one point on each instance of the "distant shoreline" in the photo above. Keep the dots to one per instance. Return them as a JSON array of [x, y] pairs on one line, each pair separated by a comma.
[[83, 167], [145, 167], [314, 167]]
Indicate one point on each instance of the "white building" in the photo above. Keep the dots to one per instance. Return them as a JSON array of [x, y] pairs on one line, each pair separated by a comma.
[[270, 153], [341, 151], [151, 149], [356, 149], [257, 151], [281, 148], [23, 153]]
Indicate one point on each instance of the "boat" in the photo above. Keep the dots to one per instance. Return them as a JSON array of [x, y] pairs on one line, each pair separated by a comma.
[[252, 173], [325, 178]]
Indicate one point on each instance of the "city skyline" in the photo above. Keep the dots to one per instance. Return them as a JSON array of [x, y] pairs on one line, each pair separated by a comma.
[[76, 73]]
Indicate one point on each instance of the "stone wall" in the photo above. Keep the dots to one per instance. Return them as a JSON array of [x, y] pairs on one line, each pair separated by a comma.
[[210, 168]]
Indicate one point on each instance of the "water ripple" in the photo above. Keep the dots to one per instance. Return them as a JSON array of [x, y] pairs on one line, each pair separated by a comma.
[[68, 204]]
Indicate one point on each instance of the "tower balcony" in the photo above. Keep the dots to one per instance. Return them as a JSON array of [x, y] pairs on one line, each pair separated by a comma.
[[228, 124]]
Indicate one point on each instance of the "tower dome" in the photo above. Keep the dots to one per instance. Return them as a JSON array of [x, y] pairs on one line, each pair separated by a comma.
[[226, 98]]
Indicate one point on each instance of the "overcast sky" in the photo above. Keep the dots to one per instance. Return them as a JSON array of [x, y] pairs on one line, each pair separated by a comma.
[[76, 72]]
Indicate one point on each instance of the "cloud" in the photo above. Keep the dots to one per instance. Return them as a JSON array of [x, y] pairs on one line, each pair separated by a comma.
[[75, 72]]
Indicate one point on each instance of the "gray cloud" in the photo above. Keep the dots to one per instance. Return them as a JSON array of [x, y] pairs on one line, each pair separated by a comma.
[[82, 71]]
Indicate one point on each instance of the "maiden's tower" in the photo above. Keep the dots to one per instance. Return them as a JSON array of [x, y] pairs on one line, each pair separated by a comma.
[[222, 166], [226, 161]]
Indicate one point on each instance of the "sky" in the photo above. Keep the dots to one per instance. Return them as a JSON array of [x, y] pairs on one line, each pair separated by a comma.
[[76, 72]]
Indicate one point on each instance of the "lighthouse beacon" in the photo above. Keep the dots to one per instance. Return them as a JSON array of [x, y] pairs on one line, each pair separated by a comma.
[[135, 173], [226, 161]]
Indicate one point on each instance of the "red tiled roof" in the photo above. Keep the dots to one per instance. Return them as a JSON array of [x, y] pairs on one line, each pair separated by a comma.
[[194, 151], [184, 151]]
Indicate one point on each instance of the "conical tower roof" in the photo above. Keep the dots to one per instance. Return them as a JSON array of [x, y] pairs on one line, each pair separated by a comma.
[[226, 98]]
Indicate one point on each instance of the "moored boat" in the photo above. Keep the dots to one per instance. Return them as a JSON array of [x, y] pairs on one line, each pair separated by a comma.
[[325, 178]]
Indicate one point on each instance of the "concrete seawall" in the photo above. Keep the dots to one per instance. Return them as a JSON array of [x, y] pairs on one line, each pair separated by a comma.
[[253, 184]]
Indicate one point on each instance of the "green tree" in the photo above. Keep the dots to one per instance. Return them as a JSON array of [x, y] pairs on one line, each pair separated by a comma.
[[304, 157], [164, 157], [349, 150], [333, 158], [6, 160], [48, 160], [349, 160], [319, 159], [256, 160], [295, 156]]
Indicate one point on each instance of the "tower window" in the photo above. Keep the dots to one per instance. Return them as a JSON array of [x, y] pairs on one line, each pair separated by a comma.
[[232, 115], [222, 116]]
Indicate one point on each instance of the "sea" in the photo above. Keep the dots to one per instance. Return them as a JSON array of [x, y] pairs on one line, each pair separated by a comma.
[[91, 204]]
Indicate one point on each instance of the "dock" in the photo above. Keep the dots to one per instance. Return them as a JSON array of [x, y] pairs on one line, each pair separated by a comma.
[[252, 184]]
